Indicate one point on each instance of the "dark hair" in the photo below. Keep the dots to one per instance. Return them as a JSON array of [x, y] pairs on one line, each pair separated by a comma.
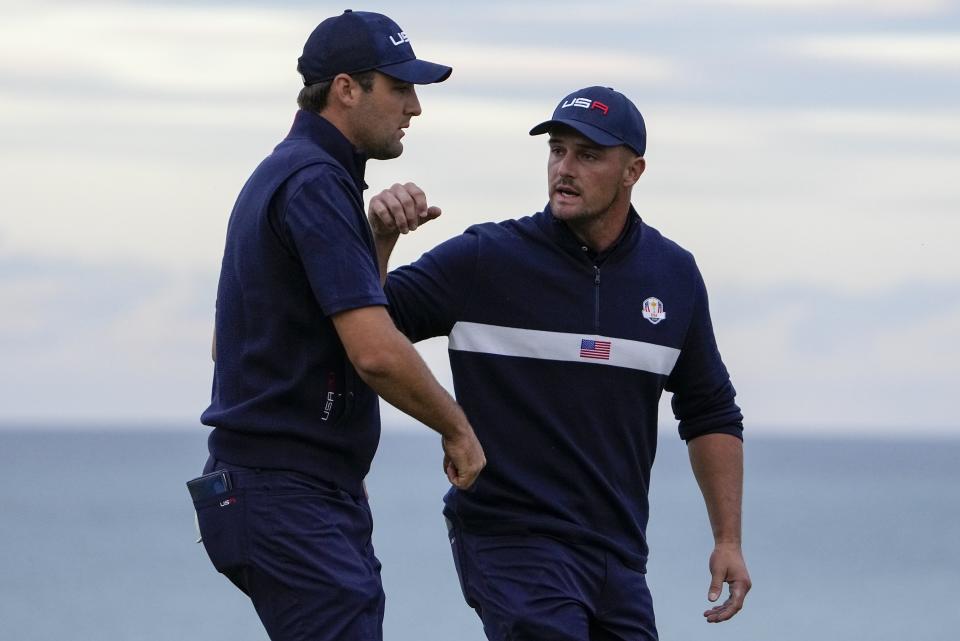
[[314, 97]]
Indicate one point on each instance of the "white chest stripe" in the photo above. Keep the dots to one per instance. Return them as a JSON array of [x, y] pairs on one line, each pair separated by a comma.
[[557, 346]]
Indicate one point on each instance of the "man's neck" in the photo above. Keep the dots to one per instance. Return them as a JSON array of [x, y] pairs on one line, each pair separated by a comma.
[[601, 232], [338, 120]]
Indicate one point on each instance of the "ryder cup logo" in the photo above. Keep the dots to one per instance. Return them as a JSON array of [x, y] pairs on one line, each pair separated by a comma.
[[653, 310]]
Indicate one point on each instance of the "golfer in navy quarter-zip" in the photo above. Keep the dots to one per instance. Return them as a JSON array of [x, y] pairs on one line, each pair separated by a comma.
[[564, 329], [578, 426]]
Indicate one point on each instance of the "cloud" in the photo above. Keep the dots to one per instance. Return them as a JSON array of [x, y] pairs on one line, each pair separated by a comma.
[[817, 359], [935, 52], [883, 126], [653, 12], [546, 66], [890, 7], [806, 127], [114, 341], [759, 195], [176, 49], [229, 51]]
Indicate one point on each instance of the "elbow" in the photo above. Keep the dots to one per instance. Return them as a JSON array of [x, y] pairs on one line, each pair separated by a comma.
[[374, 365]]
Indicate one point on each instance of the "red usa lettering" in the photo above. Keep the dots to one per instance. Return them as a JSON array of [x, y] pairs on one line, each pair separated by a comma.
[[586, 103], [401, 38]]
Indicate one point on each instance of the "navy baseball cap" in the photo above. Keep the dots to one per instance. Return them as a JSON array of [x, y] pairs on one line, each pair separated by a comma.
[[360, 41], [603, 115]]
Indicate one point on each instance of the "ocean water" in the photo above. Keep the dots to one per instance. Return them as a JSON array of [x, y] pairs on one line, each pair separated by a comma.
[[845, 540]]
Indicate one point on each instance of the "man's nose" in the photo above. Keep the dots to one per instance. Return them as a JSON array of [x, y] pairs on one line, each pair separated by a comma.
[[565, 167], [413, 107]]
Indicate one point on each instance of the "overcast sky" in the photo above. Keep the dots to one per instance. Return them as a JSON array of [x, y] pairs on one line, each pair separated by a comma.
[[806, 151]]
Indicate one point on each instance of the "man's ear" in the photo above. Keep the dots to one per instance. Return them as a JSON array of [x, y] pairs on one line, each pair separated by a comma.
[[344, 90], [633, 169]]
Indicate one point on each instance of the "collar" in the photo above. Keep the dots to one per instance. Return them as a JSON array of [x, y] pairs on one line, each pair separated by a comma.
[[563, 236], [307, 124]]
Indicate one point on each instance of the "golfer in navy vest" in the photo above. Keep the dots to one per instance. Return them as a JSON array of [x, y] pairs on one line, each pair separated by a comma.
[[564, 329], [303, 345]]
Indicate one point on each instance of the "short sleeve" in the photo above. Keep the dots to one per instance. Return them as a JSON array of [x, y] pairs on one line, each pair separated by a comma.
[[323, 220]]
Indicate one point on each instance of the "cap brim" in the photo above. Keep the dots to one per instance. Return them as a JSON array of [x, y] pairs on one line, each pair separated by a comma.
[[595, 134], [418, 72]]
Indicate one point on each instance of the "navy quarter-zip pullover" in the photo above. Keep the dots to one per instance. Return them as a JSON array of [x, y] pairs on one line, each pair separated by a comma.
[[559, 359]]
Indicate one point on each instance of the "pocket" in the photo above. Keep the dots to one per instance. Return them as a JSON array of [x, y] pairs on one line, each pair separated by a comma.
[[222, 520]]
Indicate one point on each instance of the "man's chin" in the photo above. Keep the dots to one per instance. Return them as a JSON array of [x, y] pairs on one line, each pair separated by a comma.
[[387, 153], [563, 211]]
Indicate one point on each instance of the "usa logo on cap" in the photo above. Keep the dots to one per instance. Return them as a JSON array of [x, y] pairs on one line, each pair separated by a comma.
[[586, 103], [603, 115]]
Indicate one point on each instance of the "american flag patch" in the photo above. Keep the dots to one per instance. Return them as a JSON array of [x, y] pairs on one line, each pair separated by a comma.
[[590, 348]]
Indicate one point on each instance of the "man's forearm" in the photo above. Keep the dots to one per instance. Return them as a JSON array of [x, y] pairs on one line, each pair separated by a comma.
[[389, 364], [717, 462], [384, 245], [402, 379]]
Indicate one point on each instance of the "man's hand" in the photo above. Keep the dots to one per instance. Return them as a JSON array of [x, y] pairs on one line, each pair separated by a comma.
[[463, 459], [399, 210], [727, 566]]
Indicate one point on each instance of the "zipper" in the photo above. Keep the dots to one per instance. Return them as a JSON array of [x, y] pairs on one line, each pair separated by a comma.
[[596, 298]]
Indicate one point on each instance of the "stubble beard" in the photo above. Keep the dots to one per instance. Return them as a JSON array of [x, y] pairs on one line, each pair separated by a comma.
[[381, 149], [374, 141], [387, 153], [587, 215]]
